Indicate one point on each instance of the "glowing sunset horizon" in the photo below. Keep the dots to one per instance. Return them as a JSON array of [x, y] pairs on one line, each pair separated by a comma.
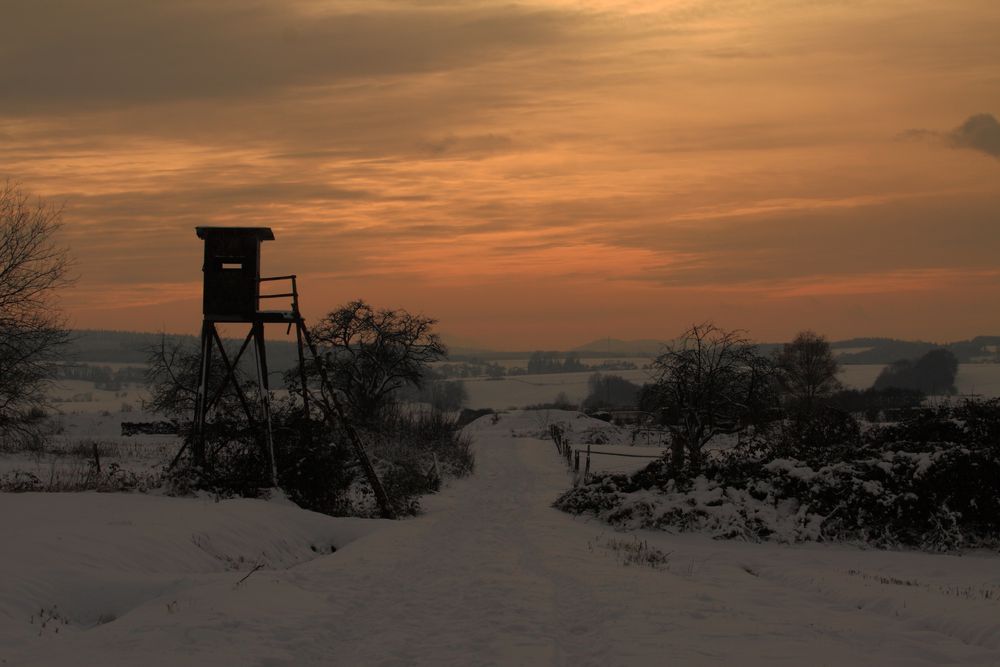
[[537, 175]]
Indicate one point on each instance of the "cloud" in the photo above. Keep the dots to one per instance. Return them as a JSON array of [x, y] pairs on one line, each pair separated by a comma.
[[918, 134], [773, 247], [640, 150], [467, 145], [892, 282], [113, 53], [980, 132]]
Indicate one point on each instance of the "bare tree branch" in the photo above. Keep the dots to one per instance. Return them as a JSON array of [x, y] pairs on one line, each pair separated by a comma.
[[32, 332], [710, 382], [371, 354]]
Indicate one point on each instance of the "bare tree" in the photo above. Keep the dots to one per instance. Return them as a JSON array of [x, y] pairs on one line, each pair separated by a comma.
[[173, 373], [710, 382], [370, 354], [807, 371], [32, 332]]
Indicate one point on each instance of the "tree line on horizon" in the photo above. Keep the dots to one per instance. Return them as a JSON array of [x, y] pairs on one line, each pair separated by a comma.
[[806, 367], [117, 346]]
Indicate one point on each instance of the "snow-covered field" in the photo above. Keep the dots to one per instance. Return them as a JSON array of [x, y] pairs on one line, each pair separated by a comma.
[[81, 396], [76, 561], [523, 390], [68, 455], [490, 575]]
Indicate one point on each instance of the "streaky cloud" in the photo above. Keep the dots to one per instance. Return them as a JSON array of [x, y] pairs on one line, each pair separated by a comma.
[[112, 53]]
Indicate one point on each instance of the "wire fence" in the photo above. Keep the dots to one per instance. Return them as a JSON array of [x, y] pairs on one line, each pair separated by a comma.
[[572, 455]]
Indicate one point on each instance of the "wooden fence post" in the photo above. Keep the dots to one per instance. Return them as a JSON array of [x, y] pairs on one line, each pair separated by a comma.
[[556, 432]]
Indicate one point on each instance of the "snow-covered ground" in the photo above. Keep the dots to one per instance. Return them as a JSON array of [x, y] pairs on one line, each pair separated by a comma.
[[67, 457], [612, 448], [523, 390], [75, 396], [74, 561], [490, 575]]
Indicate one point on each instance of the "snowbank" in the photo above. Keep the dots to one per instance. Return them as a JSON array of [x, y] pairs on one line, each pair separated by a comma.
[[490, 575], [72, 561]]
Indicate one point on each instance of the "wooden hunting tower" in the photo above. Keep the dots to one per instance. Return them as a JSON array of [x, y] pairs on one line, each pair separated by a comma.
[[232, 295], [232, 272]]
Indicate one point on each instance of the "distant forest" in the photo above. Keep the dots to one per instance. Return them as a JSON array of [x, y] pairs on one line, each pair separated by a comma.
[[130, 347], [888, 350]]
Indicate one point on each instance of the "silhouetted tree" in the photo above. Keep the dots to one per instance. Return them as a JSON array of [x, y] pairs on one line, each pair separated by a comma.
[[807, 372], [442, 395], [708, 383], [936, 372], [610, 391], [32, 334], [572, 363], [448, 395], [543, 362], [369, 354], [173, 373]]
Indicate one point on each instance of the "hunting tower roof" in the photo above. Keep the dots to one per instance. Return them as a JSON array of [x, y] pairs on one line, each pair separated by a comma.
[[260, 233]]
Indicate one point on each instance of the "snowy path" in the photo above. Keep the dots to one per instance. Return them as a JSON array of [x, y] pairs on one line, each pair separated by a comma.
[[492, 575]]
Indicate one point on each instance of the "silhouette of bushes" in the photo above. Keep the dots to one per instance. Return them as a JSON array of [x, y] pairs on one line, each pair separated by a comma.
[[888, 404], [933, 374], [928, 482], [610, 391]]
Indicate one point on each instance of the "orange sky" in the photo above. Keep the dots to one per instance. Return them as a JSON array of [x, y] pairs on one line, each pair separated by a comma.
[[533, 175]]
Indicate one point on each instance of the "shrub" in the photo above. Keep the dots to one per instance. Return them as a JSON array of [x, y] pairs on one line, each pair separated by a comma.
[[876, 405], [610, 391], [934, 373], [560, 402], [315, 467], [111, 478], [929, 482], [412, 453], [468, 415], [827, 435]]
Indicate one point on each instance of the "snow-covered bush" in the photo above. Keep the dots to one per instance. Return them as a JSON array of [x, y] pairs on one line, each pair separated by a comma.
[[930, 483], [412, 453], [87, 477], [315, 467]]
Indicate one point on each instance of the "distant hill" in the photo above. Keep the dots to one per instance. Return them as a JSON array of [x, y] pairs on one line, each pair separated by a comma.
[[850, 351], [888, 350], [131, 347], [464, 347]]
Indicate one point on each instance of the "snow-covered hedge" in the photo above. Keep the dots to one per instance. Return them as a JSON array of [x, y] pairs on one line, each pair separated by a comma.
[[932, 483]]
